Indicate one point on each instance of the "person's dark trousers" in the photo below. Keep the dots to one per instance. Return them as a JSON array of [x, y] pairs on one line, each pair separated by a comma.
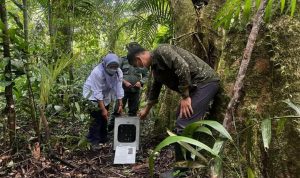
[[133, 99], [201, 98], [98, 127]]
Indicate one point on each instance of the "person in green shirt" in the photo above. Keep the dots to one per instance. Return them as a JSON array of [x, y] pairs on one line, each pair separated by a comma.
[[133, 80], [181, 71]]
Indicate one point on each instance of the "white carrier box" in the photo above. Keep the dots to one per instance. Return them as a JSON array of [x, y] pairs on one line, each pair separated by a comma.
[[126, 139]]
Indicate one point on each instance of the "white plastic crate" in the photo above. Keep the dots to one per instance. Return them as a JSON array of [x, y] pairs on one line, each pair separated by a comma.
[[126, 139]]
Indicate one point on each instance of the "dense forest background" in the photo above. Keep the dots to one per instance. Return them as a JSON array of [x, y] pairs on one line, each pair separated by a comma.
[[49, 47]]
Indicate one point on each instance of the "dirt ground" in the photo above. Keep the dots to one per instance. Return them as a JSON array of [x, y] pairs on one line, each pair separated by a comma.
[[83, 163]]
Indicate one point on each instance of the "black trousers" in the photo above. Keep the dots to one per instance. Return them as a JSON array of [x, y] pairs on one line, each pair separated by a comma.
[[201, 97], [98, 127], [133, 99]]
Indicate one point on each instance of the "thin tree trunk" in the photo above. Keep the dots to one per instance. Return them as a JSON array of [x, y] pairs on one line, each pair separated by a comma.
[[26, 53], [44, 121], [10, 106], [50, 21], [234, 102]]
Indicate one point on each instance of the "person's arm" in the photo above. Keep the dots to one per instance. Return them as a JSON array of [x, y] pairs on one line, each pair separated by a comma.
[[174, 61], [152, 99], [127, 84], [120, 106], [145, 111], [120, 91], [104, 111]]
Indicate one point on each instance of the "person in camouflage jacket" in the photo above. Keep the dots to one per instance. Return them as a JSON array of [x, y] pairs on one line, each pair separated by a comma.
[[133, 80], [181, 71]]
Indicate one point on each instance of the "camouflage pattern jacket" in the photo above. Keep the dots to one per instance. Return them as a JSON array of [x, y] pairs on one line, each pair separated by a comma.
[[133, 75], [179, 70]]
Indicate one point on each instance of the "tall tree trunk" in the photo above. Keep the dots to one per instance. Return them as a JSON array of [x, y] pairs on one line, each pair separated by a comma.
[[33, 112], [233, 104], [10, 106]]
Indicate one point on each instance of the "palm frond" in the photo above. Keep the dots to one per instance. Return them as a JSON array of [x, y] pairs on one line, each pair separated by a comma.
[[149, 15], [49, 74]]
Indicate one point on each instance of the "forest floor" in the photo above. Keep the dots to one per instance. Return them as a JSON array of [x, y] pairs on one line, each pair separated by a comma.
[[82, 163]]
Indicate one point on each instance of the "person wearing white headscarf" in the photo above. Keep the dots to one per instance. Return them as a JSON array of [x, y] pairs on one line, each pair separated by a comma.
[[103, 86]]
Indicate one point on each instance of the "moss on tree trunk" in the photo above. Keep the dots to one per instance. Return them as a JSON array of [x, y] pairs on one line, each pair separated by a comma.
[[273, 77]]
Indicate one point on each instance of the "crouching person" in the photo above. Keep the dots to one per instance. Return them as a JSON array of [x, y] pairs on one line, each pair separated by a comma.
[[103, 86]]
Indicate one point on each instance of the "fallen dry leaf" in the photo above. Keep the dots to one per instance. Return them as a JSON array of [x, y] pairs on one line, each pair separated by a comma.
[[139, 167], [35, 151]]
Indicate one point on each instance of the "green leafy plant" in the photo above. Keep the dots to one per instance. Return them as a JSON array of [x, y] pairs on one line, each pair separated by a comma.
[[148, 16], [239, 11], [194, 146], [266, 124]]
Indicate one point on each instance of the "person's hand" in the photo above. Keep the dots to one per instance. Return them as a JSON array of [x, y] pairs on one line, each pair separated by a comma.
[[186, 109], [138, 84], [120, 109], [143, 113], [127, 84], [105, 113]]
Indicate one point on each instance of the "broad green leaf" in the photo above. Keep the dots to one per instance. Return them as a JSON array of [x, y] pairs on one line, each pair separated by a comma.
[[204, 130], [214, 124], [250, 173], [266, 132], [189, 148], [189, 164], [218, 145], [293, 7], [293, 106], [282, 5], [173, 139], [190, 129]]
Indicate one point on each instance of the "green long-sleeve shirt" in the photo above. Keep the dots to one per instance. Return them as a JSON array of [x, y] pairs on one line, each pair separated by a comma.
[[133, 75], [179, 70]]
